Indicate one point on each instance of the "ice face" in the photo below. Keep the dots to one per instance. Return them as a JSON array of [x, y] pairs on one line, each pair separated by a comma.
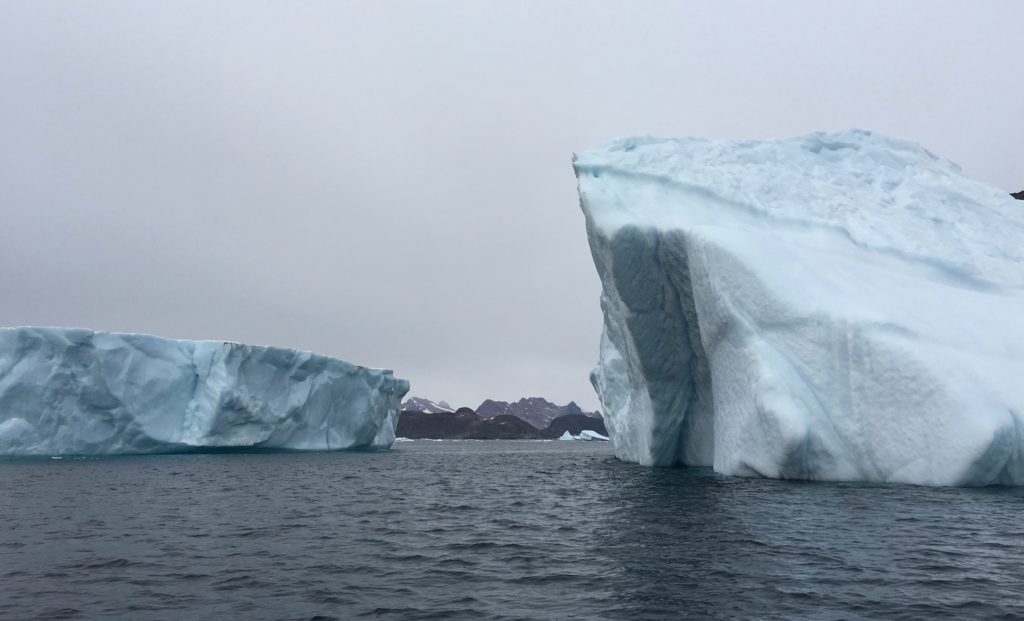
[[71, 391], [837, 306]]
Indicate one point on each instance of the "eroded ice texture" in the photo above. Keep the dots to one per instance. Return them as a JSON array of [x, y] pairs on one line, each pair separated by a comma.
[[72, 391], [837, 306]]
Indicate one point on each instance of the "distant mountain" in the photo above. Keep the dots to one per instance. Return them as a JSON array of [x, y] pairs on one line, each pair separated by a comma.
[[437, 425], [1018, 195], [502, 428], [462, 424], [418, 404], [537, 411], [465, 425]]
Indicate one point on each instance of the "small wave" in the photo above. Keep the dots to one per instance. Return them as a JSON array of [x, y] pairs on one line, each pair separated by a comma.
[[490, 530]]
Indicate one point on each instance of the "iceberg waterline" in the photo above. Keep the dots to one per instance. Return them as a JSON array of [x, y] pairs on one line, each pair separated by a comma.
[[837, 306], [586, 435], [75, 391]]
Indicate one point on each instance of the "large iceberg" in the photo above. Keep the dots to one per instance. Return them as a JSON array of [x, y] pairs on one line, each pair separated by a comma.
[[841, 306], [72, 391]]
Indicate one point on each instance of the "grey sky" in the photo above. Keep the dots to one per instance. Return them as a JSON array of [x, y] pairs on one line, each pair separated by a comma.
[[389, 182]]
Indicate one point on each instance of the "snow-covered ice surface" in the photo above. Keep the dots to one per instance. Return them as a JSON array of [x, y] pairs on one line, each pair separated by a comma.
[[839, 306], [74, 391]]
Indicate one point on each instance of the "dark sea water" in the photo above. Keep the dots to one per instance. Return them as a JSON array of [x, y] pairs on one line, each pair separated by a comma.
[[490, 530]]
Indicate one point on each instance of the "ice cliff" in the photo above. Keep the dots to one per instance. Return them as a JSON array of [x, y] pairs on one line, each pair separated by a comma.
[[839, 306], [71, 391]]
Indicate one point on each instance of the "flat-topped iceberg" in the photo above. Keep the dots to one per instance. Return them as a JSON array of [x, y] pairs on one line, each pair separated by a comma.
[[837, 306], [73, 391], [586, 435]]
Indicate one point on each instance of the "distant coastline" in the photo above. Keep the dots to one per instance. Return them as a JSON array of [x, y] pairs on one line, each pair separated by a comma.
[[527, 419]]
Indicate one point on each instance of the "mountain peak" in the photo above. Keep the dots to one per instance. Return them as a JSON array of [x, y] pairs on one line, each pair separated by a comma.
[[419, 404], [537, 411]]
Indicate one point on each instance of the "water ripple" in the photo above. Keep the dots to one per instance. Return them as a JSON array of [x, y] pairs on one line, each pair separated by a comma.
[[490, 530]]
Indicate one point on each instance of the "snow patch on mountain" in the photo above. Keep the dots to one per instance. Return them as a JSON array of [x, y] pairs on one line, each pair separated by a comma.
[[419, 404]]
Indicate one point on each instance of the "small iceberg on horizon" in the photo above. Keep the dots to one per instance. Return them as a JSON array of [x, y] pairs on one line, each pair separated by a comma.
[[585, 435]]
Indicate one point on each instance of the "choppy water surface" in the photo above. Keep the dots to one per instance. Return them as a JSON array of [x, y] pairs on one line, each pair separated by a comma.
[[490, 530]]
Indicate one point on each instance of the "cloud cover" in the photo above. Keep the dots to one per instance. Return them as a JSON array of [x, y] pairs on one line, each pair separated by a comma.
[[389, 182]]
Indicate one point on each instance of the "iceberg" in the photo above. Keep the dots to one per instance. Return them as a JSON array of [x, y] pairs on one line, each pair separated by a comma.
[[79, 392], [838, 306], [566, 436], [589, 435]]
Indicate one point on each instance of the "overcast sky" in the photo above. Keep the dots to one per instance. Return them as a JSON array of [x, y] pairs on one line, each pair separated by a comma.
[[390, 182]]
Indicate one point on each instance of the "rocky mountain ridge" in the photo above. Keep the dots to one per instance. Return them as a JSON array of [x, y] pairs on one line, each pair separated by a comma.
[[419, 404], [537, 411], [464, 424]]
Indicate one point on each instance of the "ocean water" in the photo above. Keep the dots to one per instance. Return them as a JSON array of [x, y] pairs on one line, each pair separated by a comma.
[[490, 530]]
